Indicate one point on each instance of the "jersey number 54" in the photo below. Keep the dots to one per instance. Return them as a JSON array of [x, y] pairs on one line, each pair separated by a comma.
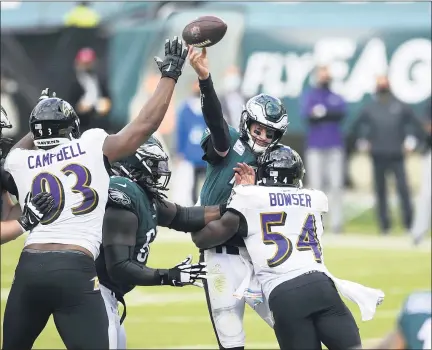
[[307, 239]]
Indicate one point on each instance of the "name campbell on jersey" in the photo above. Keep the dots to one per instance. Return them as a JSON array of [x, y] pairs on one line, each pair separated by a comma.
[[284, 230], [75, 174]]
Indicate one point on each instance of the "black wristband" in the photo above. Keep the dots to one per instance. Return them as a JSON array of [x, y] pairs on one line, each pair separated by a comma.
[[163, 275], [222, 208], [25, 224]]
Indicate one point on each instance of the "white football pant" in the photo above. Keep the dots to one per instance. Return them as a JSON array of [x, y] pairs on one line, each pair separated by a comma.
[[226, 272], [116, 331]]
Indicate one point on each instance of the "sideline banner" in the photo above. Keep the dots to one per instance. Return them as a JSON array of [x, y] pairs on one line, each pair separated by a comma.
[[281, 62]]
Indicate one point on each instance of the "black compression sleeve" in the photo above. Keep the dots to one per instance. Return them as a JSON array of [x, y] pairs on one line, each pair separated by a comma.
[[122, 269], [213, 116], [8, 183], [188, 219]]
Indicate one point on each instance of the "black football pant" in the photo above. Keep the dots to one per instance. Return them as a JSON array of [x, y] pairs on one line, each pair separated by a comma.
[[58, 283], [308, 310]]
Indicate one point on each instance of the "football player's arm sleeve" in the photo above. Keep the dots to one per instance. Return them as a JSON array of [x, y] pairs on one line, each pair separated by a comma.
[[119, 238], [10, 230], [213, 117], [138, 131], [8, 183], [186, 219], [217, 232]]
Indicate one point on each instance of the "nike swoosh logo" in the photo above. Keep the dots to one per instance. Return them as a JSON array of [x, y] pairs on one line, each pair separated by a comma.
[[122, 185], [168, 69], [30, 221]]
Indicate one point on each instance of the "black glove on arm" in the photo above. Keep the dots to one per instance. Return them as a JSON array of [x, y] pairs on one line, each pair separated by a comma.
[[175, 57], [184, 273], [34, 210]]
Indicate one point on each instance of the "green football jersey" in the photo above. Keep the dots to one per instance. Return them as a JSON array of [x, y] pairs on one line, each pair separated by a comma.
[[219, 178], [415, 321], [126, 194]]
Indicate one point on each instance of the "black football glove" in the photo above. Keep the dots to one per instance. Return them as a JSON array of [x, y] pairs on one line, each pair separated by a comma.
[[175, 57], [34, 210], [184, 274]]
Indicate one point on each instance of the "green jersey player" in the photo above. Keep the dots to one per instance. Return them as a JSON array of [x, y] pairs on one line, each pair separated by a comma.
[[135, 207], [263, 122], [414, 324]]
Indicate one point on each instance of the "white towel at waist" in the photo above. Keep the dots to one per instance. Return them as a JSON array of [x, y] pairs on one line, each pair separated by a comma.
[[366, 298], [250, 289]]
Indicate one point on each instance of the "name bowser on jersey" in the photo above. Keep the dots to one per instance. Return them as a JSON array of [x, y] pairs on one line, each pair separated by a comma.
[[281, 224], [56, 272]]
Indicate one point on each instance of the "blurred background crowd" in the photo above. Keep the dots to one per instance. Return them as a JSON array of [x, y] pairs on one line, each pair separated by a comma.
[[355, 78]]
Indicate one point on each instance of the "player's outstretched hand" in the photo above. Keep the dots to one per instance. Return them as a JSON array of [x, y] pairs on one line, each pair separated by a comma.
[[244, 174], [175, 57], [187, 273], [198, 61], [35, 209], [46, 93]]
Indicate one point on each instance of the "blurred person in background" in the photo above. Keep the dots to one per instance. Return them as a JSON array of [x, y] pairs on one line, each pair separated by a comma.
[[89, 92], [413, 329], [232, 100], [82, 16], [190, 128], [422, 214], [382, 130], [8, 88], [324, 111]]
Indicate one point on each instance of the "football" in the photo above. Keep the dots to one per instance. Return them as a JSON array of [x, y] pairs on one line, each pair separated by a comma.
[[204, 31]]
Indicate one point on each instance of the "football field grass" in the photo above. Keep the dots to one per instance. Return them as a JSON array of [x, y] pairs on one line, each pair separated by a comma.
[[168, 317]]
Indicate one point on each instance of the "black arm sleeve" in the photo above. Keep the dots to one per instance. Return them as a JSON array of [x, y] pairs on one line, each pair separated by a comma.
[[213, 116], [329, 117], [176, 217], [7, 183], [119, 237]]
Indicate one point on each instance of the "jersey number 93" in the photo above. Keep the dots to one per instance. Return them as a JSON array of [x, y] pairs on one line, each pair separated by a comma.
[[47, 182], [307, 240]]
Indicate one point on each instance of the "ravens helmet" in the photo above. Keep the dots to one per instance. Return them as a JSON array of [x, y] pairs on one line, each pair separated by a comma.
[[148, 167], [280, 166], [52, 122], [5, 142], [267, 111]]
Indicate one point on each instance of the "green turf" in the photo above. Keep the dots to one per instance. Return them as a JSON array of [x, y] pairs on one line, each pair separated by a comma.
[[162, 317]]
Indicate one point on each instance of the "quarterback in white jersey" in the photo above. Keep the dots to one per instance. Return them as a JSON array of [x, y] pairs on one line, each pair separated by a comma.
[[56, 273], [281, 224]]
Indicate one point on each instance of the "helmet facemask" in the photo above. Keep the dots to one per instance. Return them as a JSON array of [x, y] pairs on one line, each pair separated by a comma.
[[267, 112], [148, 167]]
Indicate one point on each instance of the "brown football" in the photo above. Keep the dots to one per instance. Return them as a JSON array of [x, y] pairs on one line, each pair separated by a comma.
[[204, 31]]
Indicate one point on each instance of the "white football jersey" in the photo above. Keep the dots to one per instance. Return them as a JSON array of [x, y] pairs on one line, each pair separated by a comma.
[[284, 231], [75, 175]]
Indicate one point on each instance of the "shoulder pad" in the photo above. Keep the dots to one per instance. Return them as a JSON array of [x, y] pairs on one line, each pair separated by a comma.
[[205, 136], [119, 198], [13, 160], [236, 200], [95, 136], [121, 193], [233, 132]]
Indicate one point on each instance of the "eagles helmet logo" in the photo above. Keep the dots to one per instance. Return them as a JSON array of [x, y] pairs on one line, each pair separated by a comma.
[[119, 197]]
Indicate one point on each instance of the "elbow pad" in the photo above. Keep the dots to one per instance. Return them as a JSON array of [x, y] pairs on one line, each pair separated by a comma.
[[188, 219]]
